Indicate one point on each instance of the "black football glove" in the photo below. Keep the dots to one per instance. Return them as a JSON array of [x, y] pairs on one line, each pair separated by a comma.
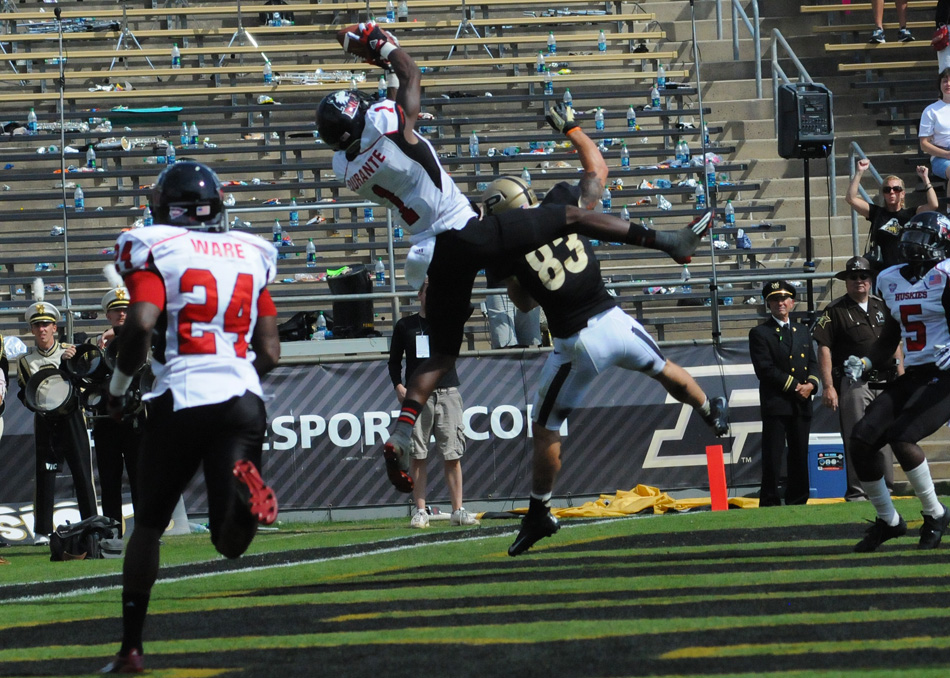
[[561, 118]]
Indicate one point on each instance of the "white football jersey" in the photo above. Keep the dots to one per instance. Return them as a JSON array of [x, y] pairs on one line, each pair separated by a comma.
[[407, 178], [212, 285], [919, 310]]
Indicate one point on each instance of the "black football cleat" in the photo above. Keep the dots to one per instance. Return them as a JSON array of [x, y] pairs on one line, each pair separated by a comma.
[[131, 662], [534, 527], [931, 532], [262, 501], [397, 466], [718, 417], [878, 533]]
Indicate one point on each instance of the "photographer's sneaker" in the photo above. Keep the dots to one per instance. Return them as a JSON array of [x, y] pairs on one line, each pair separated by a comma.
[[462, 517], [40, 540], [931, 532], [877, 37], [419, 518], [535, 526], [903, 35]]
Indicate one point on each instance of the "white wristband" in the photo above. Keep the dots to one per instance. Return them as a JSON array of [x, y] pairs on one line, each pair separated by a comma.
[[386, 50], [120, 383]]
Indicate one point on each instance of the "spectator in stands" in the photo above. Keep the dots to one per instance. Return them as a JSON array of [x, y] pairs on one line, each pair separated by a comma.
[[851, 325], [784, 362], [941, 39], [58, 437], [117, 442], [382, 158], [441, 416], [591, 332], [877, 35], [933, 131], [887, 219]]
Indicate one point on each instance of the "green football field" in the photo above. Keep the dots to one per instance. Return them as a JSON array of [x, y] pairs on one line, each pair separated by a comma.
[[754, 592]]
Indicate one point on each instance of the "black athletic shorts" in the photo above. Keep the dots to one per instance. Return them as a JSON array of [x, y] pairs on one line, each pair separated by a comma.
[[175, 444], [908, 410], [460, 255]]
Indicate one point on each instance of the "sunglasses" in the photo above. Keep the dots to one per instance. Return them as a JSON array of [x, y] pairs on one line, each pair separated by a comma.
[[892, 189], [858, 276]]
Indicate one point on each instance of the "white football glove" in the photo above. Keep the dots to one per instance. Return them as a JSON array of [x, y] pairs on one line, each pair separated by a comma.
[[942, 355], [854, 367]]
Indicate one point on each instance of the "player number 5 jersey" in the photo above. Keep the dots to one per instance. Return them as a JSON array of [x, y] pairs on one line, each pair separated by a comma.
[[919, 308], [212, 285]]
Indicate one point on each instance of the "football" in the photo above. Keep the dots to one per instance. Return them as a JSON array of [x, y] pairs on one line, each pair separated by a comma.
[[354, 47]]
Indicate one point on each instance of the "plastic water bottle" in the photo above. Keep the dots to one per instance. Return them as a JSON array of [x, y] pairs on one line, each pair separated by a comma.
[[710, 173], [655, 98], [390, 12], [601, 42], [661, 76], [567, 98], [684, 278], [548, 83], [526, 176], [397, 233], [277, 233], [700, 196], [599, 119], [730, 213], [193, 135], [183, 135], [540, 65], [380, 272], [552, 43], [311, 254], [473, 145], [402, 10], [631, 118], [605, 201], [368, 215], [79, 199], [381, 87], [625, 213], [147, 219], [31, 122], [624, 157], [275, 19], [268, 73], [321, 332], [176, 56], [294, 215], [170, 154], [706, 134], [91, 157]]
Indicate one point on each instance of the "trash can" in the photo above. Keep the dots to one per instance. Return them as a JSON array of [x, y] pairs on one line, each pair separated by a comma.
[[352, 318], [827, 477]]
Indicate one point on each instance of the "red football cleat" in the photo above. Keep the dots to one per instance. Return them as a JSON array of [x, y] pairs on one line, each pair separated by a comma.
[[263, 502], [132, 662], [401, 480]]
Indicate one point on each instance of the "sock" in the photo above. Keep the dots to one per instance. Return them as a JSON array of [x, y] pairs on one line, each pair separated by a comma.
[[705, 408], [134, 609], [640, 235], [880, 498], [543, 498], [923, 485], [407, 419]]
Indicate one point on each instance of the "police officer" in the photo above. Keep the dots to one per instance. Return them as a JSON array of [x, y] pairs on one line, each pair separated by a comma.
[[56, 437], [851, 325], [117, 442], [785, 364]]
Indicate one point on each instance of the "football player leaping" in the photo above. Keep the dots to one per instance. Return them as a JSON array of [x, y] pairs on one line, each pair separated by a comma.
[[591, 332], [203, 291], [382, 158]]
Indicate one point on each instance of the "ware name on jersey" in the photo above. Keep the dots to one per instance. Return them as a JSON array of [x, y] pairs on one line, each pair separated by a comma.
[[920, 309]]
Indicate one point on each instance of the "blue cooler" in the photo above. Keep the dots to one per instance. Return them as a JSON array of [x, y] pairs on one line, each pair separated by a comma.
[[827, 477]]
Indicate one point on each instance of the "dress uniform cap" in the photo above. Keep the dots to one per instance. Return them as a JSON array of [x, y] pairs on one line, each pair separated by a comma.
[[42, 312], [778, 287], [859, 264], [117, 298]]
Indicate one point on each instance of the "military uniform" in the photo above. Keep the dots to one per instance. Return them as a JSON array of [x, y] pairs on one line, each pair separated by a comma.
[[56, 438], [846, 329], [783, 358]]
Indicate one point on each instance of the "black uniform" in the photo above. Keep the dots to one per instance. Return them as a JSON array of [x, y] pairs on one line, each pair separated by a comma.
[[404, 342], [885, 234], [783, 359]]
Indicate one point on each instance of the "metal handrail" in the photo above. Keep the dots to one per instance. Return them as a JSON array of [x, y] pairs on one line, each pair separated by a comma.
[[754, 29], [778, 40]]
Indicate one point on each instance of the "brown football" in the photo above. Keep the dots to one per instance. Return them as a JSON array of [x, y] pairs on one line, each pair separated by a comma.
[[355, 47]]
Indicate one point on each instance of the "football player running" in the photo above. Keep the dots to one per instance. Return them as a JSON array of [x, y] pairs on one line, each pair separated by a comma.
[[917, 403], [382, 158], [591, 332], [199, 294]]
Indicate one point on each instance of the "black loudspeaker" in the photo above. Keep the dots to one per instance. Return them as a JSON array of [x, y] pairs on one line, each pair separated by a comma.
[[352, 318], [806, 127]]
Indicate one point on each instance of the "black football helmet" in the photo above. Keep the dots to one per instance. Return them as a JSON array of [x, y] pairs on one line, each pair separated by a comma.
[[189, 194], [341, 117], [925, 239]]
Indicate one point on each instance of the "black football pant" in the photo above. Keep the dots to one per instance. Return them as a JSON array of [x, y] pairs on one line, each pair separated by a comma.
[[58, 439], [117, 445]]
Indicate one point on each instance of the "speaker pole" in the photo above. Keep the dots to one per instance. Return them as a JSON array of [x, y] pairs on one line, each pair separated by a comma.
[[809, 263], [62, 165]]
